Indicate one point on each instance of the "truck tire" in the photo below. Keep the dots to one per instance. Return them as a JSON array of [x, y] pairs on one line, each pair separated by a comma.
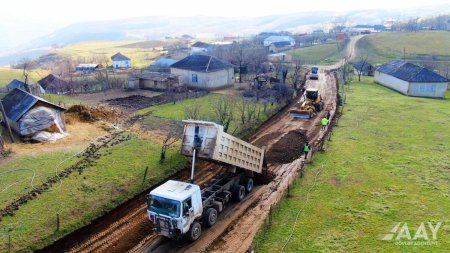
[[195, 231], [249, 184], [211, 217], [238, 193]]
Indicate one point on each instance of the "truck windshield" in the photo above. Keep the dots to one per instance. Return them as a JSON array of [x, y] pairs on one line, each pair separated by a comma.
[[164, 206]]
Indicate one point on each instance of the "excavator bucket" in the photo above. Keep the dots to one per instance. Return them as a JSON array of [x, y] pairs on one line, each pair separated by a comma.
[[302, 114]]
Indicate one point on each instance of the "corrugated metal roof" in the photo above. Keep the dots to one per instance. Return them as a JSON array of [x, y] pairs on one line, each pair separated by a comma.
[[410, 72], [52, 80], [16, 84], [281, 43], [201, 44], [18, 102], [202, 63], [364, 66], [119, 57]]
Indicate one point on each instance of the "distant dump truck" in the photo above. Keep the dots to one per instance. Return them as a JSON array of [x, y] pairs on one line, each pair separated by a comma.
[[314, 73], [181, 208]]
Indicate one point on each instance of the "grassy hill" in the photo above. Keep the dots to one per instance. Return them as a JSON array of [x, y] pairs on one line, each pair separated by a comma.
[[141, 54], [422, 45], [388, 162], [8, 74], [322, 54]]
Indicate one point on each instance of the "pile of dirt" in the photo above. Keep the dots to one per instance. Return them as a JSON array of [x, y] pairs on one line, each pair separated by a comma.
[[288, 148], [137, 102], [95, 113], [266, 139]]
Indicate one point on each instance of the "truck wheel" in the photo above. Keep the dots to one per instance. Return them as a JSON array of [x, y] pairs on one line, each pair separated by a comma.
[[195, 231], [210, 217], [248, 184], [238, 193]]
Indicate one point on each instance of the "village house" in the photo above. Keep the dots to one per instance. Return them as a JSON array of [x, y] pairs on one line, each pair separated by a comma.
[[203, 72], [341, 36], [274, 38], [363, 67], [277, 47], [120, 61], [411, 80], [200, 47], [154, 81], [278, 57], [34, 88], [55, 85], [29, 115]]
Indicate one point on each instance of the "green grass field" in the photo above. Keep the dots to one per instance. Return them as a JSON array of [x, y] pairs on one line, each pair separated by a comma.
[[8, 74], [207, 104], [386, 46], [388, 162], [62, 100], [100, 51], [322, 54], [81, 196]]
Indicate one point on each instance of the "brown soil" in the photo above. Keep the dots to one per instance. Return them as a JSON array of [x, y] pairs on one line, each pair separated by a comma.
[[97, 98], [137, 102], [288, 148], [95, 113]]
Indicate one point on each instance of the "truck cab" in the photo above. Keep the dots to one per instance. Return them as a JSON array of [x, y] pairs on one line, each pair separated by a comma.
[[173, 206], [314, 73]]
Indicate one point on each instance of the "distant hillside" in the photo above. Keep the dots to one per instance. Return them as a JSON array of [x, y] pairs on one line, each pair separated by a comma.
[[427, 48], [150, 28]]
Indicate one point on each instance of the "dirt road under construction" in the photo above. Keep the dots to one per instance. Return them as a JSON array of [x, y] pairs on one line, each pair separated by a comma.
[[127, 228]]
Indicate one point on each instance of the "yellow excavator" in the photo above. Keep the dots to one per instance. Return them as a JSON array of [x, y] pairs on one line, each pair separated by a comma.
[[310, 106]]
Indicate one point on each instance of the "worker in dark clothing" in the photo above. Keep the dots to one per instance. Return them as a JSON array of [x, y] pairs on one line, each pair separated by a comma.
[[306, 149], [328, 117]]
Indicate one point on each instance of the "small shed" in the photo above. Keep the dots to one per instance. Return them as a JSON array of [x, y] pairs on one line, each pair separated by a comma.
[[55, 85], [35, 88], [120, 61], [88, 67], [154, 81], [203, 72], [31, 116], [363, 67], [411, 80]]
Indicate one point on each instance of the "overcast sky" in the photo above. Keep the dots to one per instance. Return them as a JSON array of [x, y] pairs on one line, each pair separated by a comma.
[[26, 19]]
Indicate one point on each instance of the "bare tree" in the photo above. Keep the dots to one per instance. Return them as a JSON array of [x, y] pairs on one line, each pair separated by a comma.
[[170, 138], [192, 111], [363, 62], [296, 74], [223, 110], [25, 65], [256, 57]]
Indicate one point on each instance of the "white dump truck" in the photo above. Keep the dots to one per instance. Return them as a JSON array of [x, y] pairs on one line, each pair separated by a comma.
[[181, 208]]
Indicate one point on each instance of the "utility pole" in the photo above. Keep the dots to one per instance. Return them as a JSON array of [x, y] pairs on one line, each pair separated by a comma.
[[5, 119], [404, 53]]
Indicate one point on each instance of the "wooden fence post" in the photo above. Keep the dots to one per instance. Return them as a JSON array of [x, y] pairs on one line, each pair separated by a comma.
[[57, 221], [145, 176]]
